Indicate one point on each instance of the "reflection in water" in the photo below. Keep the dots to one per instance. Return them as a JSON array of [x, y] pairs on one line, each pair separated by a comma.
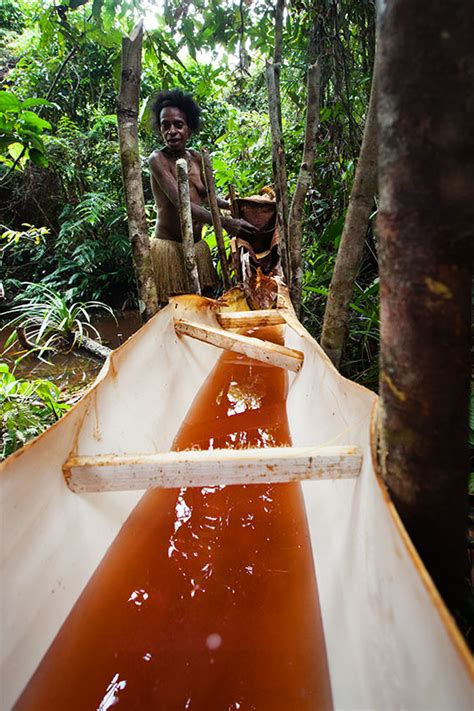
[[207, 599]]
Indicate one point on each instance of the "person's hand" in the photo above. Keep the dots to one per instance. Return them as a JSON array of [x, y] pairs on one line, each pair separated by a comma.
[[239, 228]]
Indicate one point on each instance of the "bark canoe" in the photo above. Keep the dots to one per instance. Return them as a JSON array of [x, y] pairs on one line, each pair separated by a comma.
[[391, 643]]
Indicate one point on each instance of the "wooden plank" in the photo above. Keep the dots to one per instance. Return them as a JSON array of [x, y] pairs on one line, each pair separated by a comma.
[[250, 319], [210, 468], [264, 351]]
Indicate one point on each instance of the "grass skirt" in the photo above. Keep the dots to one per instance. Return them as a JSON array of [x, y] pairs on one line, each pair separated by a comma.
[[170, 272]]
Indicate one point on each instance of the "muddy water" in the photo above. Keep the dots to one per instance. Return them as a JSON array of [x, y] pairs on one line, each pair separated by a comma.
[[72, 371], [207, 600]]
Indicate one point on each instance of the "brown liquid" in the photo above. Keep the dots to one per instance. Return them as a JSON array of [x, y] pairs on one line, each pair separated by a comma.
[[207, 598]]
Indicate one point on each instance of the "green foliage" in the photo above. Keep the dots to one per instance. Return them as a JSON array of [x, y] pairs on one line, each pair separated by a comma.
[[27, 407], [216, 50], [22, 131], [49, 322]]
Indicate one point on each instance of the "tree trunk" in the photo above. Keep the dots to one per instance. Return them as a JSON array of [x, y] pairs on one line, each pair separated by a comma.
[[278, 164], [349, 256], [216, 217], [302, 185], [425, 226], [185, 216], [127, 114]]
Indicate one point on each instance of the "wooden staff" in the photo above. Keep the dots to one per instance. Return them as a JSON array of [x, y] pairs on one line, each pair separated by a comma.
[[184, 206], [216, 216]]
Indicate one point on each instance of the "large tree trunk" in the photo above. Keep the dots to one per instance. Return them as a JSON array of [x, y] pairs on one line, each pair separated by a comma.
[[278, 164], [425, 226], [127, 114], [273, 71], [302, 185], [349, 256]]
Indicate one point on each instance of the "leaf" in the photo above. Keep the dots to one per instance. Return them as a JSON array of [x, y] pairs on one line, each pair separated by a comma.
[[29, 118], [15, 150], [28, 103], [38, 158], [9, 102]]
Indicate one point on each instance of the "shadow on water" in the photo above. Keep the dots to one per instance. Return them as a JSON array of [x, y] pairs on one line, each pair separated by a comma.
[[73, 371]]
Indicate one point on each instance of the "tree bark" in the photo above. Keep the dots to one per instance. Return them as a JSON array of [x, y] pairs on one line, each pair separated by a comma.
[[127, 114], [184, 207], [279, 165], [302, 185], [351, 247], [216, 216], [425, 226]]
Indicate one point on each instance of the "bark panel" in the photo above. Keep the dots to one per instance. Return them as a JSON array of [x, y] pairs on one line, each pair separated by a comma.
[[127, 115], [351, 247], [425, 225]]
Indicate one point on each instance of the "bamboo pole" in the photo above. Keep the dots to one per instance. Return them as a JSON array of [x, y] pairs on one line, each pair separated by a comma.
[[349, 255], [184, 207], [302, 185], [216, 217], [424, 226], [127, 116]]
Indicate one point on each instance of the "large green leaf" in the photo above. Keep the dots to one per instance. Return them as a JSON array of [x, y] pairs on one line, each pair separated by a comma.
[[29, 118], [36, 101], [9, 102], [38, 158]]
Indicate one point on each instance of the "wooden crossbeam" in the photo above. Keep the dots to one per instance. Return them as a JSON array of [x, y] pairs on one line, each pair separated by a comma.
[[250, 319], [264, 351], [210, 468]]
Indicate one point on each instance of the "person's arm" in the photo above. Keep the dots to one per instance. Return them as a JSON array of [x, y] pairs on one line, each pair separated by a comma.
[[167, 182]]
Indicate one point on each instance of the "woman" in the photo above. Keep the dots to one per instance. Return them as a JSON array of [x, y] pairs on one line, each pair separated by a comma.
[[177, 118]]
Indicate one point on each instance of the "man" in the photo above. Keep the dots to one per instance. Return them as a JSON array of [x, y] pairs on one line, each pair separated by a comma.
[[177, 117]]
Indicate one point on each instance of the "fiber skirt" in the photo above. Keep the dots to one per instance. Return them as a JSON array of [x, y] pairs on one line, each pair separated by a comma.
[[170, 272]]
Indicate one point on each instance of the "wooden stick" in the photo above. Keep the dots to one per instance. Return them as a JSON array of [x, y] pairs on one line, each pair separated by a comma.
[[264, 351], [216, 216], [111, 472], [250, 319], [184, 206]]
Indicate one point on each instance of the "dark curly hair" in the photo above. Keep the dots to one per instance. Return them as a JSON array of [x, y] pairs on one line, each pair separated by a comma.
[[180, 100]]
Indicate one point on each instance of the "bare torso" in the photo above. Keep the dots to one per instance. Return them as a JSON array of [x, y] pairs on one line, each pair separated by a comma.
[[163, 184]]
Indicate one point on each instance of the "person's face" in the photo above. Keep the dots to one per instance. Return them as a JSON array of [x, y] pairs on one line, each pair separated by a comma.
[[174, 128]]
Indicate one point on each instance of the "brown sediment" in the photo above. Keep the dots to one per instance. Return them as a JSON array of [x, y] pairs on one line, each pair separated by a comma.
[[207, 599]]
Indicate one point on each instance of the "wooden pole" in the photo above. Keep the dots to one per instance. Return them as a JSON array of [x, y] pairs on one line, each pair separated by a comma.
[[127, 116], [425, 228], [216, 216], [302, 185], [351, 248], [272, 465], [184, 207]]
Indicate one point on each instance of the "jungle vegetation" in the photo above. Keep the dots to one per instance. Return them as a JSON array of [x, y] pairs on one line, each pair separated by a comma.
[[60, 177]]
